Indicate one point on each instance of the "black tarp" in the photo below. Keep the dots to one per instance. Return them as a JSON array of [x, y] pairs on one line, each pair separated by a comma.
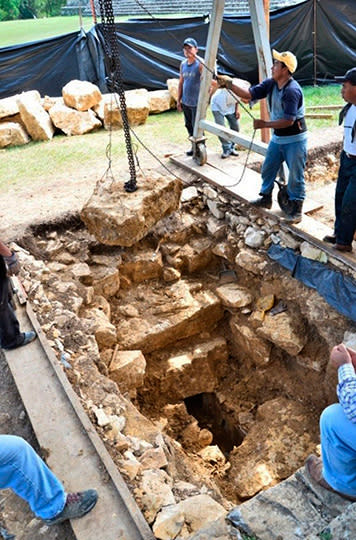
[[151, 50]]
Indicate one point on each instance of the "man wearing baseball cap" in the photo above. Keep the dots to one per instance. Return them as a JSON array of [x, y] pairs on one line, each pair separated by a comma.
[[345, 193], [189, 85], [289, 139]]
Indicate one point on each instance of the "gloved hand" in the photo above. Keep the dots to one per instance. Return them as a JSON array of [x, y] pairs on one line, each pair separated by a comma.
[[12, 264], [224, 81]]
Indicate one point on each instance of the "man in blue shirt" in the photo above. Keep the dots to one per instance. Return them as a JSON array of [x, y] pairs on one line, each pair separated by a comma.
[[189, 85], [336, 471], [289, 139]]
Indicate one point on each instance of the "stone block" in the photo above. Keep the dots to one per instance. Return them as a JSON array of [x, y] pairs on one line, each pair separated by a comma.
[[12, 134], [73, 122], [159, 101], [8, 106], [127, 369], [116, 217], [137, 108], [81, 95], [37, 121]]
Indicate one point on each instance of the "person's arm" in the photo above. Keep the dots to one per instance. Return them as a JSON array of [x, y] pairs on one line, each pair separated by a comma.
[[291, 100], [10, 258], [237, 111], [341, 359], [180, 90]]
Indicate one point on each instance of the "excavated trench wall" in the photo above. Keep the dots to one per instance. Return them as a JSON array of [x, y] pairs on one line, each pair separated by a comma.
[[202, 363]]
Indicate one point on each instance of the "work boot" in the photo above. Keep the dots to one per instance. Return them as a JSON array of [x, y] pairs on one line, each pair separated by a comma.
[[265, 201], [76, 506], [295, 214], [330, 239], [343, 247]]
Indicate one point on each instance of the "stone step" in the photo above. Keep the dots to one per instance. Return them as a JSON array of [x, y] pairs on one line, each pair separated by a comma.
[[295, 509]]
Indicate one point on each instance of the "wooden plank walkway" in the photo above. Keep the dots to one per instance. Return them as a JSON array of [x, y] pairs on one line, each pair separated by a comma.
[[75, 451], [226, 175]]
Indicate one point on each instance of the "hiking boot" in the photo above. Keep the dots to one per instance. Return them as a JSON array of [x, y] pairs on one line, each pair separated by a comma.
[[76, 506], [342, 247], [314, 469], [330, 239], [225, 154], [265, 201], [295, 214]]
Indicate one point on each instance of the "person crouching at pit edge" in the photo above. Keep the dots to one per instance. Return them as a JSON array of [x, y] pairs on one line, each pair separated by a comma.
[[189, 85], [336, 470], [289, 139]]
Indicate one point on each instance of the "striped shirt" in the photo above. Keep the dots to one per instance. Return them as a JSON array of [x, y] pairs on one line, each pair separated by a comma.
[[346, 390]]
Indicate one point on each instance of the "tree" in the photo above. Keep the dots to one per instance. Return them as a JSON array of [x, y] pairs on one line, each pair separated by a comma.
[[9, 10]]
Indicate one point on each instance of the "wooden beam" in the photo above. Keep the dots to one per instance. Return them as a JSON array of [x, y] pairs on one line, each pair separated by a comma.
[[209, 61], [233, 136], [265, 132]]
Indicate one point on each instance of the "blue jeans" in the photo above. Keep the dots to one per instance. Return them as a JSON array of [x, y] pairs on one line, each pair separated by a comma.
[[295, 155], [23, 471], [345, 201], [338, 450], [233, 124]]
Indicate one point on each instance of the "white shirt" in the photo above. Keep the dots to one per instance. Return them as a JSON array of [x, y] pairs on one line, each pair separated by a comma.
[[223, 101], [349, 123]]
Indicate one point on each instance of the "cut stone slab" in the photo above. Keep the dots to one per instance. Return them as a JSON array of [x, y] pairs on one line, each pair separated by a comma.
[[159, 101], [127, 369], [12, 134], [118, 218], [137, 108], [173, 88], [37, 121], [168, 315]]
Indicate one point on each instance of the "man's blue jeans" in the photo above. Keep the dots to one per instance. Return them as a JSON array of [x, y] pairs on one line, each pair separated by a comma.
[[345, 201], [295, 155], [23, 471], [338, 449]]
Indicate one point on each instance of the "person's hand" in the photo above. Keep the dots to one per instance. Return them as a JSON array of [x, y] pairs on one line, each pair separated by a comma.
[[179, 105], [340, 356], [258, 123], [237, 115], [12, 263], [352, 353], [224, 81]]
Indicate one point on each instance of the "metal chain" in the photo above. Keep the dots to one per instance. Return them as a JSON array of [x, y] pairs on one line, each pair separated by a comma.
[[114, 82]]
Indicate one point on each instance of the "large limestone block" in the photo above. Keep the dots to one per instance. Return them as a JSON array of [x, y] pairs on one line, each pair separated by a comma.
[[137, 107], [155, 493], [81, 95], [173, 88], [194, 371], [168, 523], [127, 369], [159, 101], [73, 122], [285, 331], [168, 315], [49, 102], [8, 106], [37, 121], [118, 218], [104, 331], [251, 347], [12, 134], [265, 457]]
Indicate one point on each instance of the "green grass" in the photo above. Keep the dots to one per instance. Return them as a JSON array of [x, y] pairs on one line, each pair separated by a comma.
[[35, 162], [23, 31]]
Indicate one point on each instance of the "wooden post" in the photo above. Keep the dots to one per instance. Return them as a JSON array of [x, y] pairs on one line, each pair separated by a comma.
[[265, 132], [209, 61], [259, 11]]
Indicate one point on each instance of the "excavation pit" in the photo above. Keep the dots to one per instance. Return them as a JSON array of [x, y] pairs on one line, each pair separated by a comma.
[[176, 354]]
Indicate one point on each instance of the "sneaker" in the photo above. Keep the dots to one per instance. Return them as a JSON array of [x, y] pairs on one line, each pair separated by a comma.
[[265, 201], [330, 239], [76, 506], [28, 337], [342, 247], [234, 152], [225, 154]]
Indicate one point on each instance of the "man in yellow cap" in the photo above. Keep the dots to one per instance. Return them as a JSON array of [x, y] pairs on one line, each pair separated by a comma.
[[289, 139]]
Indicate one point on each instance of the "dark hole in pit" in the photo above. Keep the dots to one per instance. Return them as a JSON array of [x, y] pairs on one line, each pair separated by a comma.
[[210, 415]]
